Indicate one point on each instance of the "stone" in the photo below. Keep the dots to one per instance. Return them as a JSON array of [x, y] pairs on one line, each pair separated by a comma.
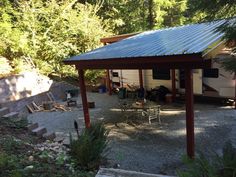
[[39, 131], [31, 158], [29, 167], [11, 115], [4, 111], [110, 172], [49, 136], [30, 127]]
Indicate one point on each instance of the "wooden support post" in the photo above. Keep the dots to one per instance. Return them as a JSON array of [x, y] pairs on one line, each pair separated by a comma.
[[109, 83], [189, 112], [173, 84], [140, 78], [84, 98], [235, 90], [121, 78]]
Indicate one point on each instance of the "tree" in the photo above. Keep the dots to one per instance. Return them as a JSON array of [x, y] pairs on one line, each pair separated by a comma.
[[47, 32], [217, 9], [221, 9], [140, 15]]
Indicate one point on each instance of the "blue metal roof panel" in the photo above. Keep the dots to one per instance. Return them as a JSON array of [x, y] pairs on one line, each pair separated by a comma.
[[188, 39]]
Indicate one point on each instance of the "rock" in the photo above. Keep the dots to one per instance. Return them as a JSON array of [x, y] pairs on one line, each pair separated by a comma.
[[31, 158], [29, 167], [116, 165], [31, 127]]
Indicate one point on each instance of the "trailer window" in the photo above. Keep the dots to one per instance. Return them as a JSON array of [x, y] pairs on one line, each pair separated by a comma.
[[161, 74], [211, 73], [115, 74]]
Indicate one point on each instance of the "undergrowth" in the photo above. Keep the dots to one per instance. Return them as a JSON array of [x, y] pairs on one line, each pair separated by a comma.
[[215, 166], [87, 150]]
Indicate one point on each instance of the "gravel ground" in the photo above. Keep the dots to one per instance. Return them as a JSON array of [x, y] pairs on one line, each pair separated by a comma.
[[136, 145]]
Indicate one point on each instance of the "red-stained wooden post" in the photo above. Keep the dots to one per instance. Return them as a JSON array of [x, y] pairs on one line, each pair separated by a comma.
[[173, 84], [189, 112], [235, 91], [140, 78], [84, 98], [109, 82]]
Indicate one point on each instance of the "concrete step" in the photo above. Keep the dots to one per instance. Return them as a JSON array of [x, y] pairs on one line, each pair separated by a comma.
[[49, 136], [33, 126], [11, 115], [66, 141], [110, 172], [4, 111], [39, 131], [59, 139]]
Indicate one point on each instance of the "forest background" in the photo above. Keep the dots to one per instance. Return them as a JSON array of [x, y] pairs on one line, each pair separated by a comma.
[[42, 33]]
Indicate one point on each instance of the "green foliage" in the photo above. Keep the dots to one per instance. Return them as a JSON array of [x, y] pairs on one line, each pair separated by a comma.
[[15, 123], [229, 64], [139, 15], [47, 32], [216, 166], [216, 9], [88, 149], [9, 143], [93, 75], [9, 166]]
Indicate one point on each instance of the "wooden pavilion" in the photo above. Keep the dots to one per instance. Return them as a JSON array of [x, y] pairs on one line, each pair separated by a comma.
[[183, 47]]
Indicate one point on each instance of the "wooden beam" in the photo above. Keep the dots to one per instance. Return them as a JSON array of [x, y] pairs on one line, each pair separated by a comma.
[[189, 112], [109, 82], [116, 38], [140, 78], [84, 98], [144, 65], [173, 84], [139, 60], [235, 91]]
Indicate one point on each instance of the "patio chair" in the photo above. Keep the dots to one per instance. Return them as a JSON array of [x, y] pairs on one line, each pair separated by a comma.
[[152, 113]]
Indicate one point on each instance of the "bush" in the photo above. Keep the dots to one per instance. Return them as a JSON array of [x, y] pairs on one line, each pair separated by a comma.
[[88, 149], [215, 166], [9, 166]]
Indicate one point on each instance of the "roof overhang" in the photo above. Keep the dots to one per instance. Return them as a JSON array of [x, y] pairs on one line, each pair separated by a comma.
[[193, 61]]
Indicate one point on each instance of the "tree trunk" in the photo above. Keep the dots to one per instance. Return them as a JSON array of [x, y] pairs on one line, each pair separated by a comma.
[[150, 14]]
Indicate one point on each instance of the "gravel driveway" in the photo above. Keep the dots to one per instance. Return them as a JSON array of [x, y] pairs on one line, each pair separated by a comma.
[[139, 146]]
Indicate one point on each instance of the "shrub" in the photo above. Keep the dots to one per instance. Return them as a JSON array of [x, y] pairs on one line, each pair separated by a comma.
[[10, 144], [9, 166], [215, 166], [15, 124], [88, 149]]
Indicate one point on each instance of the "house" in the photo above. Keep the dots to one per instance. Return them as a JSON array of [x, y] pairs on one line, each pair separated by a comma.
[[214, 82]]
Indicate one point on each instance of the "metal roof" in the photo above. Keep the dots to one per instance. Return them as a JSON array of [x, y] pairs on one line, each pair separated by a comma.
[[188, 39]]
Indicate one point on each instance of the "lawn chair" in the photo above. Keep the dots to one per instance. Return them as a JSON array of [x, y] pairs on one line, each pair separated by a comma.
[[152, 113]]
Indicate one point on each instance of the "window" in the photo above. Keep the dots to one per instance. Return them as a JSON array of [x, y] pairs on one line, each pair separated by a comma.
[[161, 74], [211, 73], [115, 74]]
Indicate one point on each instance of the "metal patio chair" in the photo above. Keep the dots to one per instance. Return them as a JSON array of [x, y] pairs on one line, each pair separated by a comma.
[[153, 113]]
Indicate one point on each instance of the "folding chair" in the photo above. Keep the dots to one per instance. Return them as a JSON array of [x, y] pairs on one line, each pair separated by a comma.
[[153, 113]]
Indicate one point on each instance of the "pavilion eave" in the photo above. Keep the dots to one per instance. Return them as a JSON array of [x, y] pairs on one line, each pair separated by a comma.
[[192, 61]]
